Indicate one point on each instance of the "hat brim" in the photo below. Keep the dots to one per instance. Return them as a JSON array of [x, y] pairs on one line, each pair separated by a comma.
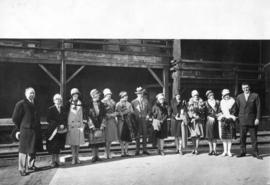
[[140, 92]]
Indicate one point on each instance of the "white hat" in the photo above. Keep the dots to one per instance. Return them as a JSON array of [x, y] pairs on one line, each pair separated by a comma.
[[225, 92], [160, 96], [194, 93], [57, 96], [94, 92], [139, 90], [74, 91], [122, 94], [107, 91]]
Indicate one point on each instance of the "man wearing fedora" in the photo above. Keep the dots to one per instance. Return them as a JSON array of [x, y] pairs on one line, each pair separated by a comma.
[[27, 120], [142, 110], [249, 115]]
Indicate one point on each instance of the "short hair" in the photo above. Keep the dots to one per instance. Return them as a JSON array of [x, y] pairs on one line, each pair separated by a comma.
[[29, 88], [245, 83]]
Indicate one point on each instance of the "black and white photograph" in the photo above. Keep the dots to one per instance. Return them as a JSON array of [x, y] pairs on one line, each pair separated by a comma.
[[134, 93]]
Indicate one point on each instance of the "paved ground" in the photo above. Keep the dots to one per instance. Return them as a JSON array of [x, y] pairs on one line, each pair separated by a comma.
[[146, 170]]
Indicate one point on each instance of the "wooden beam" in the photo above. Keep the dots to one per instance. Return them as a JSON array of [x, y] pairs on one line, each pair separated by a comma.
[[74, 74], [156, 77], [166, 83], [63, 74], [177, 74], [49, 73]]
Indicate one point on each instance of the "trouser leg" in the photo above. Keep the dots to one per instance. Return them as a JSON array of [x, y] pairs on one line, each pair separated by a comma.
[[243, 137], [22, 162], [144, 135], [253, 137]]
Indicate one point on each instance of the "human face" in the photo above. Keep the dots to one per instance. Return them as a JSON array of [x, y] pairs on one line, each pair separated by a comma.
[[178, 97], [246, 89], [211, 97], [196, 97], [140, 96], [57, 101], [226, 97], [125, 98], [108, 96], [30, 94], [161, 100], [96, 97], [75, 97]]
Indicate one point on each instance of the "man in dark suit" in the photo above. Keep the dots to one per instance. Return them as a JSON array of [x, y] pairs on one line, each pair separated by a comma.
[[249, 115], [26, 119]]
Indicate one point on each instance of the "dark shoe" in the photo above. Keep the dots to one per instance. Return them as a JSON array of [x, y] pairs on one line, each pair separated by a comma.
[[98, 159], [23, 173], [137, 153], [215, 153], [94, 159], [177, 152], [146, 153], [257, 156], [34, 168], [53, 165], [193, 152], [211, 153], [242, 155]]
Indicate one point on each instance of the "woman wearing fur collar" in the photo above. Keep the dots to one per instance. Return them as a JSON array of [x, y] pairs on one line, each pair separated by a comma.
[[227, 121]]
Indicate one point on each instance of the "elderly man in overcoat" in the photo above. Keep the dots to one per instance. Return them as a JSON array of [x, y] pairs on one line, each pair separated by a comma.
[[26, 118], [249, 115]]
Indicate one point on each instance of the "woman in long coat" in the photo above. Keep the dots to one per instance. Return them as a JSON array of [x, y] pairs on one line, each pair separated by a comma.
[[111, 124], [179, 123], [75, 134], [56, 131], [125, 130], [160, 114], [96, 123], [227, 121], [196, 112], [212, 113]]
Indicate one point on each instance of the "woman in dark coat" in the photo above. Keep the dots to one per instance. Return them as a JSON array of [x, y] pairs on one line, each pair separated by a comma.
[[96, 123], [179, 123], [212, 113], [56, 131], [160, 114]]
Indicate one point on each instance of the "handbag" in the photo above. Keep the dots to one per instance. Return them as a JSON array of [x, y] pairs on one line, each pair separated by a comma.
[[96, 137]]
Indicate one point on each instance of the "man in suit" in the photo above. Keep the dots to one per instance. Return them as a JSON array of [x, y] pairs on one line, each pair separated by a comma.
[[249, 115], [26, 119], [142, 110]]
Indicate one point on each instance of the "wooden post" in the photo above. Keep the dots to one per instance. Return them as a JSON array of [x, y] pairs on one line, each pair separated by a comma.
[[236, 81], [63, 74], [177, 75], [166, 83]]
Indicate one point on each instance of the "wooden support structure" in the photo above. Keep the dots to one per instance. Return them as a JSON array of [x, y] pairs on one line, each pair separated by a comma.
[[166, 82], [63, 72], [236, 82], [177, 74], [74, 74], [49, 73], [156, 77]]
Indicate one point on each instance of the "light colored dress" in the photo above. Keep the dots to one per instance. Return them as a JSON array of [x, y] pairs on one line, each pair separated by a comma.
[[111, 133], [75, 134]]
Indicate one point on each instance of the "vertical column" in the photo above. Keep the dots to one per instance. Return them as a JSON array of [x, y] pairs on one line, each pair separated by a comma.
[[166, 82], [63, 73], [236, 83], [177, 74]]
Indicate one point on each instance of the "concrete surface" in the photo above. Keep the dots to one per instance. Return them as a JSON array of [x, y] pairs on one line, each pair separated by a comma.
[[146, 170]]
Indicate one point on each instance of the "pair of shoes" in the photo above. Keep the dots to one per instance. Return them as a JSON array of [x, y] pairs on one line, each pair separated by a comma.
[[159, 152], [215, 153], [78, 161], [177, 152], [211, 153], [146, 152], [137, 153], [256, 155], [181, 153], [54, 165], [73, 161], [98, 159], [23, 173], [193, 152], [33, 168], [196, 152], [242, 154]]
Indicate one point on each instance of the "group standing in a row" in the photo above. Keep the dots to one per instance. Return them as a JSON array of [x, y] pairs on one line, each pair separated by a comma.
[[104, 121]]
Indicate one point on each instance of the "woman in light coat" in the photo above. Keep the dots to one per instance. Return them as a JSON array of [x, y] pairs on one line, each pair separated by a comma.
[[75, 134]]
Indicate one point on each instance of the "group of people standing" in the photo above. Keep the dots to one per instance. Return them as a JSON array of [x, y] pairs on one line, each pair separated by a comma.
[[104, 121]]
